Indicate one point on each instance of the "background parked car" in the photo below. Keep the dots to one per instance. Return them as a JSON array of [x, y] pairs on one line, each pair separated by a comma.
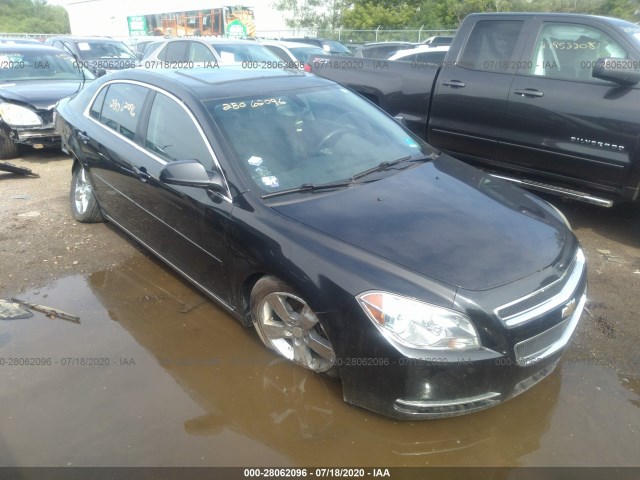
[[381, 50], [99, 54], [138, 45], [205, 51], [22, 41], [422, 54], [293, 54], [330, 47], [438, 41], [34, 78]]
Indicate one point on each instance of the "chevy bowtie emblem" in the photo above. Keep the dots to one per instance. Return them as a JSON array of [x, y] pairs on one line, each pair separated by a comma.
[[568, 309]]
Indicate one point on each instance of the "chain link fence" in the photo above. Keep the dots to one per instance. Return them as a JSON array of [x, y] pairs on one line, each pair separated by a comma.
[[41, 37], [343, 35], [347, 36]]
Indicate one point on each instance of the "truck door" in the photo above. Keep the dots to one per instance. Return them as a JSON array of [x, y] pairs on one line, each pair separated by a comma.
[[471, 91], [562, 121]]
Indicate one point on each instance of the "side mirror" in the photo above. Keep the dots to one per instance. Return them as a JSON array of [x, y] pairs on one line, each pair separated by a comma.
[[618, 70], [191, 173]]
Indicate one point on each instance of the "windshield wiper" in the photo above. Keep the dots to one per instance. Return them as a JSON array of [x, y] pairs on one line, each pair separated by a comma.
[[309, 187], [381, 167], [313, 187]]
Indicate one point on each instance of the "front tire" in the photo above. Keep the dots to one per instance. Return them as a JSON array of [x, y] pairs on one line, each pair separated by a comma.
[[8, 148], [287, 325], [84, 206]]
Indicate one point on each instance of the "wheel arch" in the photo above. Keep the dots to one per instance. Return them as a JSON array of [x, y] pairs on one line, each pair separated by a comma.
[[244, 296]]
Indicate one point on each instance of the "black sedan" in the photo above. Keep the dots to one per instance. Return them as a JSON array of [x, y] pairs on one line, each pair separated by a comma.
[[32, 79], [355, 249], [101, 55]]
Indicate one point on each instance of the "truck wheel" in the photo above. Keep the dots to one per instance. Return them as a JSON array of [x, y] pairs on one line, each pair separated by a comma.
[[8, 148], [84, 206], [287, 325]]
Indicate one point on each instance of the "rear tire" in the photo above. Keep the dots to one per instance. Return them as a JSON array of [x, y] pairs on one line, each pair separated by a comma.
[[82, 199], [8, 148]]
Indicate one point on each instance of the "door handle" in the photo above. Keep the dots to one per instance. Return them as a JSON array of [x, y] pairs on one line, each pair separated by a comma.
[[84, 138], [529, 92], [454, 83], [142, 174]]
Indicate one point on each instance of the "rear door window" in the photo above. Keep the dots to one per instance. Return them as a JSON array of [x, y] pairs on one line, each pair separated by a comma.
[[121, 108], [200, 53], [175, 52], [491, 45]]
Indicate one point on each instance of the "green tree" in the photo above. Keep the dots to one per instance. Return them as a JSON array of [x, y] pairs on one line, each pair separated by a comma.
[[432, 14], [32, 16], [311, 13]]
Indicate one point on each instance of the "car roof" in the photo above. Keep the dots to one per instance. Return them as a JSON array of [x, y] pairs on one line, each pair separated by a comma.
[[28, 41], [212, 40], [76, 38], [425, 48], [382, 44], [283, 43], [222, 82], [28, 47]]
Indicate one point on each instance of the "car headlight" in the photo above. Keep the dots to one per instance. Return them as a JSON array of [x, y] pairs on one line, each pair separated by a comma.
[[15, 115], [417, 324]]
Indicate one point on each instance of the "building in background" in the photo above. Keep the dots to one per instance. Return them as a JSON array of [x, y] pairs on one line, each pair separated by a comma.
[[229, 21], [123, 18]]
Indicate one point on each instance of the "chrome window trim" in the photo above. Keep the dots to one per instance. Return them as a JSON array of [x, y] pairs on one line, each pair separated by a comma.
[[563, 296], [150, 154]]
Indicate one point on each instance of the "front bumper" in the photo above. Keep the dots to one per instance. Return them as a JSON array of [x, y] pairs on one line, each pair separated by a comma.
[[414, 384], [37, 137], [542, 354]]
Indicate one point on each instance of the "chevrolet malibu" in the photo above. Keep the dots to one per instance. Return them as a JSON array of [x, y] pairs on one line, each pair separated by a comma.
[[429, 288]]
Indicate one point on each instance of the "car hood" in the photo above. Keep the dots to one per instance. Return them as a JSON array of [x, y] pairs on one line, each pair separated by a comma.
[[445, 220], [39, 94]]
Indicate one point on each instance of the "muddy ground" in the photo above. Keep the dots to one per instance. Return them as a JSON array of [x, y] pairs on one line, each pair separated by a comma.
[[39, 240], [586, 413]]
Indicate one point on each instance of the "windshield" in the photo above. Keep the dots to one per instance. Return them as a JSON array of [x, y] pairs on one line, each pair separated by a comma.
[[237, 52], [96, 50], [337, 47], [285, 139], [16, 66], [302, 53]]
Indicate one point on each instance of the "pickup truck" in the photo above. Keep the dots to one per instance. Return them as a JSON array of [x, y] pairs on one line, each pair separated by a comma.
[[549, 101]]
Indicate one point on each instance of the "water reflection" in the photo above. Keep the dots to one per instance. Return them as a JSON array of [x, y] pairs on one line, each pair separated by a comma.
[[246, 389]]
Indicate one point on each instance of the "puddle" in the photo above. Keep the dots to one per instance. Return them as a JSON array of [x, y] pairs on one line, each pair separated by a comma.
[[139, 383]]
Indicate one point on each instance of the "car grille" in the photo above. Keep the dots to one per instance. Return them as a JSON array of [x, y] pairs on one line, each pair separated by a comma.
[[534, 300], [525, 351], [542, 301], [540, 346]]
